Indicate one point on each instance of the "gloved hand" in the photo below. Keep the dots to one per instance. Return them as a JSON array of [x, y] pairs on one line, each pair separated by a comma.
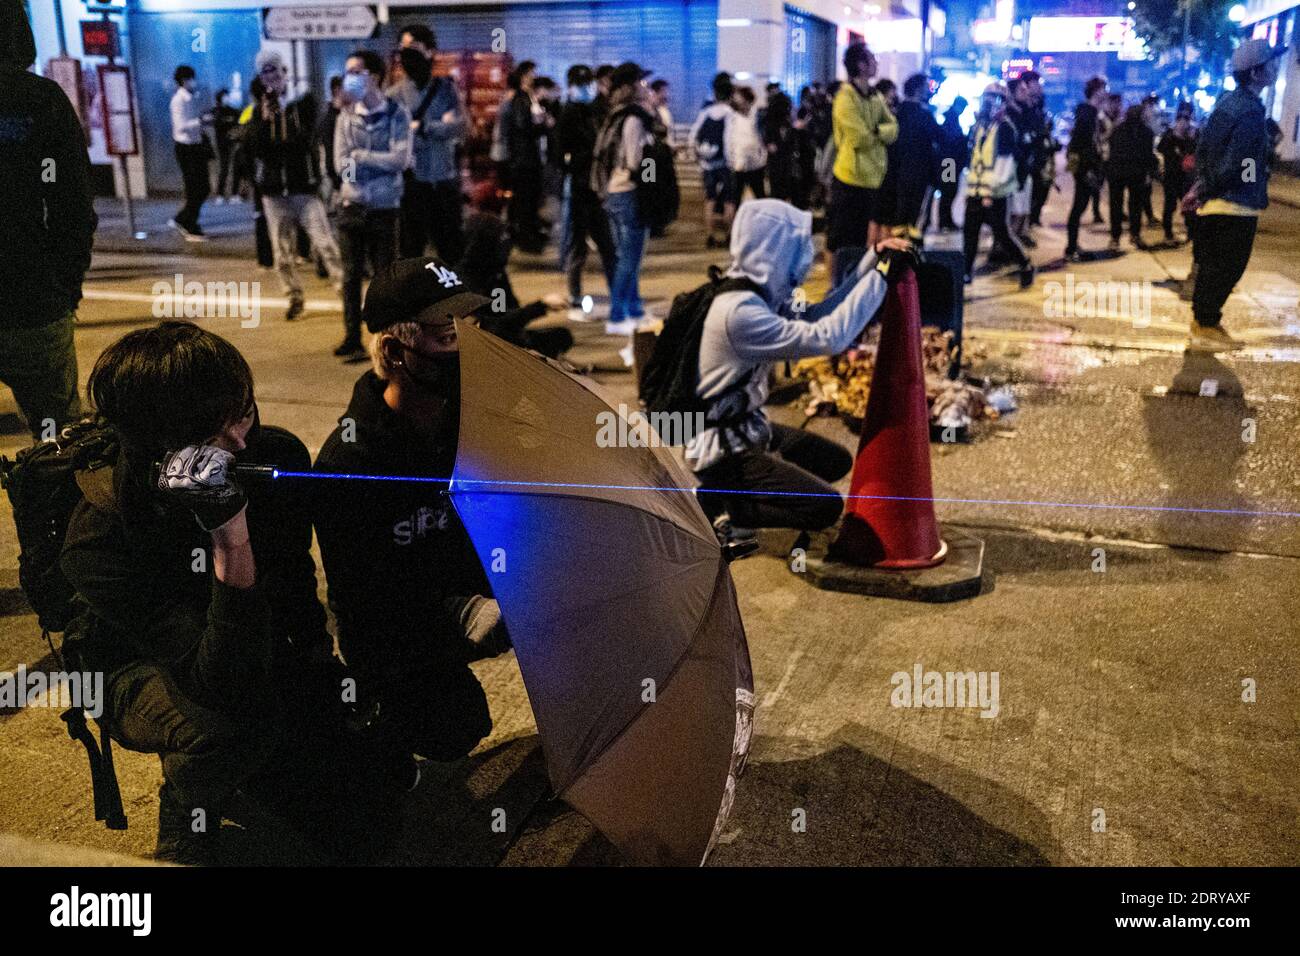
[[895, 263], [200, 477]]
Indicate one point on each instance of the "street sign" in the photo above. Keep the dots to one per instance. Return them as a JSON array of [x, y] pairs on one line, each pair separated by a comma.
[[99, 38], [66, 71], [320, 23], [119, 110]]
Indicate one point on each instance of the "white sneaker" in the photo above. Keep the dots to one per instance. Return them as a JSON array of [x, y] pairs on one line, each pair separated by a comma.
[[626, 327], [626, 354], [219, 201]]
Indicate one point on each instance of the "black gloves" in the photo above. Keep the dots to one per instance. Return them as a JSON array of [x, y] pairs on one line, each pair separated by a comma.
[[893, 264], [199, 477]]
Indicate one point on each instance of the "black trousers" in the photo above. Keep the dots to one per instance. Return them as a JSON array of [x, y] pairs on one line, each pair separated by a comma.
[[525, 205], [995, 216], [797, 461], [586, 218], [1042, 189], [365, 236], [193, 160], [431, 213], [753, 178], [849, 214], [1136, 188], [1223, 245], [1084, 193]]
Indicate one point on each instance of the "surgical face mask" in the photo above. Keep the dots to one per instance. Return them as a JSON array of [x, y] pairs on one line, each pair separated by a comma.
[[355, 85], [582, 94], [439, 372]]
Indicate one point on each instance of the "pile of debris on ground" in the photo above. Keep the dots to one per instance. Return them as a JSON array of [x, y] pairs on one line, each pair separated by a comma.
[[840, 386]]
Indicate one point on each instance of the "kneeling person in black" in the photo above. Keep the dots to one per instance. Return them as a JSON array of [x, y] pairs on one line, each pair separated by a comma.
[[405, 584], [195, 592]]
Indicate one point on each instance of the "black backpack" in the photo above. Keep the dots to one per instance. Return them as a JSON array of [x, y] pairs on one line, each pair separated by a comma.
[[657, 197], [671, 378], [42, 483]]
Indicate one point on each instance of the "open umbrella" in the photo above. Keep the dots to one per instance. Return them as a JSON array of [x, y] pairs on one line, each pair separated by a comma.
[[618, 601]]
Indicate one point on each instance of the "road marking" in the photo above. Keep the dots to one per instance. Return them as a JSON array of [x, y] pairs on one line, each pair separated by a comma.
[[266, 301], [773, 696]]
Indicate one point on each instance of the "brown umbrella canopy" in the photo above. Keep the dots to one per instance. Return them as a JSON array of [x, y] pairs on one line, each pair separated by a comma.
[[618, 601]]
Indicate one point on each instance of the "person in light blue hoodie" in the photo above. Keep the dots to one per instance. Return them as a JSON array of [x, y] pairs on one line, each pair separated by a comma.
[[372, 149], [744, 335]]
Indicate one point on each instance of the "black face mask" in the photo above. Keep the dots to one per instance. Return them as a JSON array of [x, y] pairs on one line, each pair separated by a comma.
[[440, 374], [416, 66]]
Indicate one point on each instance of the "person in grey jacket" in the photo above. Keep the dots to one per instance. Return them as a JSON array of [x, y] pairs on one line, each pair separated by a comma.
[[1232, 167], [372, 148], [744, 335], [431, 201]]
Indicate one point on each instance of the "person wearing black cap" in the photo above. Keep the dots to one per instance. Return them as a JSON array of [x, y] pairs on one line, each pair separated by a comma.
[[1177, 149], [405, 584], [575, 135], [615, 169]]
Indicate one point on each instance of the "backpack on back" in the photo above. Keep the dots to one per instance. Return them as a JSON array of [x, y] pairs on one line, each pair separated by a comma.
[[657, 195], [44, 486], [671, 378]]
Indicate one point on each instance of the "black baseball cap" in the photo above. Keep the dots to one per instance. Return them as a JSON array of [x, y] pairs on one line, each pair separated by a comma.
[[423, 290], [627, 74]]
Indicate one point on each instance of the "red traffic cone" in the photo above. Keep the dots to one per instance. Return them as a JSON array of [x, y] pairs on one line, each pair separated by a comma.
[[889, 522]]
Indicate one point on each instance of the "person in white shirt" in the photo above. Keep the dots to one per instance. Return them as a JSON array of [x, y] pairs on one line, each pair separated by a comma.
[[193, 153], [746, 154]]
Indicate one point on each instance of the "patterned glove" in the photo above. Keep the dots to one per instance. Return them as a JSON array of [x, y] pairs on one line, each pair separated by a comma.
[[199, 476]]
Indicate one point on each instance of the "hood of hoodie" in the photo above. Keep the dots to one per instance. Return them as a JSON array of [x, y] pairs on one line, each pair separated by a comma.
[[17, 47], [771, 244]]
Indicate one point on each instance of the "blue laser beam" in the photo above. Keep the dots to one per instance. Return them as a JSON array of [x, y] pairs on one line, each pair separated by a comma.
[[582, 486]]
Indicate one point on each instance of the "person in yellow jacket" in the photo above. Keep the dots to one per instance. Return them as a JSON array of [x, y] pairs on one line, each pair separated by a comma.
[[990, 181], [862, 127]]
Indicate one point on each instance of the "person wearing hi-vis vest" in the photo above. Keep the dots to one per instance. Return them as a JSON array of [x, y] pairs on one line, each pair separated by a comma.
[[991, 180]]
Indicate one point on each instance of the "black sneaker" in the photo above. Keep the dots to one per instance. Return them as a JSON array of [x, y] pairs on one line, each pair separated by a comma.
[[295, 309], [736, 542], [349, 347], [1027, 273], [1074, 255]]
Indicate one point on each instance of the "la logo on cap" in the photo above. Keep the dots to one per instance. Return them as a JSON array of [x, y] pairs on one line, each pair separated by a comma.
[[448, 278]]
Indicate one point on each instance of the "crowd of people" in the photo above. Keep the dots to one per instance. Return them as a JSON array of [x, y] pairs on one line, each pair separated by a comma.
[[238, 692]]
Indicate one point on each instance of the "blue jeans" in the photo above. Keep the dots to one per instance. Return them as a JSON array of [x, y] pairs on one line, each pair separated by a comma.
[[629, 246]]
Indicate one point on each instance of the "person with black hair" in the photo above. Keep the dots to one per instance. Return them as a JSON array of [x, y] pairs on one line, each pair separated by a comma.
[[709, 136], [483, 270], [575, 138], [600, 105], [526, 125], [193, 153], [1131, 166], [225, 120], [615, 169], [990, 183], [372, 148], [954, 154], [197, 592], [46, 232], [746, 152], [912, 167], [785, 148], [432, 205], [864, 127], [1177, 149], [1084, 161]]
